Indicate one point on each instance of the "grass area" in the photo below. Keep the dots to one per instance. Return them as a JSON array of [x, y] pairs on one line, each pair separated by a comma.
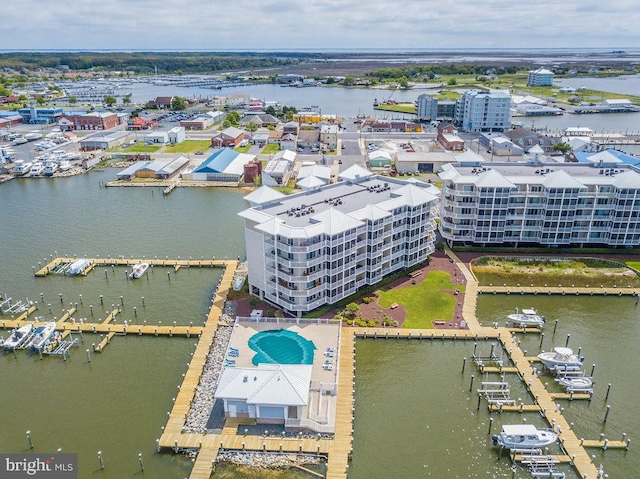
[[270, 148], [633, 264], [141, 148], [243, 149], [424, 302], [579, 272], [399, 108], [447, 95], [189, 146]]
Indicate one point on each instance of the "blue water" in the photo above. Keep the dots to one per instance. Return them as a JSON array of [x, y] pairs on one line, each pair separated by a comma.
[[281, 347]]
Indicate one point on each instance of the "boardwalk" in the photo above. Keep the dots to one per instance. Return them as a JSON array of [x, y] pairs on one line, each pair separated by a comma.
[[558, 290]]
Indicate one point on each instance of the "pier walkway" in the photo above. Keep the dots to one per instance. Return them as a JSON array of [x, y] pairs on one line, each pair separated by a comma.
[[173, 263], [558, 290]]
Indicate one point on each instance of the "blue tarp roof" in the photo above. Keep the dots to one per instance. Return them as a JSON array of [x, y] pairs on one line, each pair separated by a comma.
[[217, 162], [624, 157]]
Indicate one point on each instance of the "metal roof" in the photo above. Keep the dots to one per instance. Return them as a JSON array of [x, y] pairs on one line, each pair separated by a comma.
[[270, 384], [263, 195]]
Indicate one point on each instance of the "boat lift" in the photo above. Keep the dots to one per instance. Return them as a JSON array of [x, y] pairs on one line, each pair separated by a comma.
[[497, 393], [542, 466]]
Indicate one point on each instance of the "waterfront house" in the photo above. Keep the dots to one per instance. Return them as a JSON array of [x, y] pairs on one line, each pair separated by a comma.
[[526, 139]]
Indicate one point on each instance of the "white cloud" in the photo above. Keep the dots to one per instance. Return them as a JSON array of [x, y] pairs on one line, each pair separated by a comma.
[[289, 24]]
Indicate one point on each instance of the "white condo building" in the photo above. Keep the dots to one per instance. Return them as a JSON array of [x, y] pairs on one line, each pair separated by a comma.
[[426, 108], [541, 204], [540, 77], [320, 246], [484, 111]]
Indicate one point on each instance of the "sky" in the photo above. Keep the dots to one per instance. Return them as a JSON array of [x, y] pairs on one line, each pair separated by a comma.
[[314, 24]]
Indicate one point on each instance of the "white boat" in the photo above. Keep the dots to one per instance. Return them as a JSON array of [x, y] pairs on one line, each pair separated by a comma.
[[561, 358], [527, 318], [22, 167], [50, 167], [138, 270], [65, 165], [41, 335], [36, 169], [78, 267], [19, 141], [18, 337], [576, 383], [33, 136], [523, 436]]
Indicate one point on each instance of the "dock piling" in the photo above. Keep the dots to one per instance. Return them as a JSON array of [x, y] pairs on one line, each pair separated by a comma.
[[490, 426], [471, 385], [29, 439], [606, 414], [100, 460], [464, 362], [140, 461], [608, 390], [555, 326], [88, 356], [566, 343]]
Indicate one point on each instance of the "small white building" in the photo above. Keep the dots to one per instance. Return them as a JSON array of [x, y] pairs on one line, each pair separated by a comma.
[[329, 136], [159, 137], [268, 393], [319, 171], [177, 135], [501, 146]]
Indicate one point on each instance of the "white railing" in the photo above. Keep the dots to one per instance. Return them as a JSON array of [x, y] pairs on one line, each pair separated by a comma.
[[246, 319]]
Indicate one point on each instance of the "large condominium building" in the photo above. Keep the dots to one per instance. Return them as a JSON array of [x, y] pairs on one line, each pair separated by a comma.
[[426, 108], [484, 111], [322, 245], [540, 77], [541, 204]]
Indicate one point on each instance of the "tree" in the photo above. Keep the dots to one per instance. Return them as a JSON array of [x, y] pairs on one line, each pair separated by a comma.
[[351, 310], [453, 82], [562, 147], [403, 83], [251, 127], [232, 119], [72, 100], [126, 100], [349, 81], [41, 100], [270, 110], [110, 100], [178, 103]]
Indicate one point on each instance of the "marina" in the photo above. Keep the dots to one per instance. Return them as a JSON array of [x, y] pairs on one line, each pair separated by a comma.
[[133, 346]]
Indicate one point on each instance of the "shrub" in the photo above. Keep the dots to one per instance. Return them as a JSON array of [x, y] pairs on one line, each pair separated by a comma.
[[368, 299], [253, 301], [271, 313]]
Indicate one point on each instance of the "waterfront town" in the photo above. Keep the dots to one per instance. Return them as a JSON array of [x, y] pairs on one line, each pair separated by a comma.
[[394, 223]]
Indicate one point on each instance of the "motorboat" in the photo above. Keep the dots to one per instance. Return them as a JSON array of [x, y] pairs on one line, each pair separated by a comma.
[[576, 383], [41, 335], [561, 358], [19, 141], [18, 337], [33, 136], [36, 169], [78, 267], [50, 167], [22, 167], [527, 318], [138, 270], [65, 165], [523, 436]]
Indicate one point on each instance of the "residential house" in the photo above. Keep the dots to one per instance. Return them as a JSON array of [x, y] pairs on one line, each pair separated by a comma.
[[230, 136]]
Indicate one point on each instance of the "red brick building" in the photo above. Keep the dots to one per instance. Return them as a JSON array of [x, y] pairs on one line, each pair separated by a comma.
[[449, 139], [95, 121]]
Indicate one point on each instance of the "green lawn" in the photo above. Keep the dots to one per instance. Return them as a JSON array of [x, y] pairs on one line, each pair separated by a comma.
[[400, 108], [189, 146], [270, 148], [243, 149], [424, 302], [141, 148]]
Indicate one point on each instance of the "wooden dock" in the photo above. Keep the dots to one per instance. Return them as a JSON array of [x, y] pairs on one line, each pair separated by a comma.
[[171, 263], [559, 290]]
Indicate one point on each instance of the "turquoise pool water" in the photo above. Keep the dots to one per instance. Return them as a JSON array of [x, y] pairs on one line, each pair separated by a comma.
[[281, 346]]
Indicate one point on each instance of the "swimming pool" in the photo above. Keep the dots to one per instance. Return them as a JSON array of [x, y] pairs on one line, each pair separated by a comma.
[[281, 346]]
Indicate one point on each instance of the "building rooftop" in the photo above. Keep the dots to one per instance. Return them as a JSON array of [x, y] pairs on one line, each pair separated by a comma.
[[337, 207], [550, 175]]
